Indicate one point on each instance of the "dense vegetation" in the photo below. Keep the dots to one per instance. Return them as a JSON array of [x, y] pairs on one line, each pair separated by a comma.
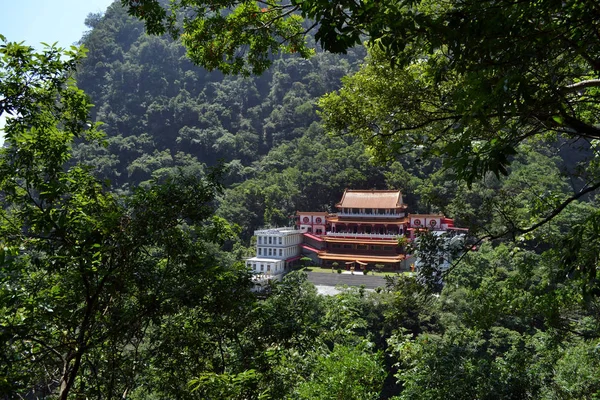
[[123, 224]]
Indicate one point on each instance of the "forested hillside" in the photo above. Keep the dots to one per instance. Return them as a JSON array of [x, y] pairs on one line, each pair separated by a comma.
[[123, 223], [160, 113]]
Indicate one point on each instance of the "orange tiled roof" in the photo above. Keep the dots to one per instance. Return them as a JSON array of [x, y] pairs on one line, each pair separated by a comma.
[[371, 199]]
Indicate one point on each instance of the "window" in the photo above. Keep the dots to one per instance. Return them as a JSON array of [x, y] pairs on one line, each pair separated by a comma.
[[362, 247], [262, 268], [259, 251], [270, 240], [280, 252], [280, 240], [270, 251], [388, 248], [375, 247], [318, 220], [347, 246], [335, 246], [260, 240], [268, 268]]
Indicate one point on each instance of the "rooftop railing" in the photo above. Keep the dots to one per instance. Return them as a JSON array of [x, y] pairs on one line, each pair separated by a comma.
[[364, 235], [368, 215]]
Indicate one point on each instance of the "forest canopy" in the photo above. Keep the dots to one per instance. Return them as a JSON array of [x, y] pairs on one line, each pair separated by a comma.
[[490, 74], [123, 223]]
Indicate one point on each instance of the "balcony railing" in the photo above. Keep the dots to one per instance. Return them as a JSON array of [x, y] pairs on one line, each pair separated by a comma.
[[364, 235], [367, 215]]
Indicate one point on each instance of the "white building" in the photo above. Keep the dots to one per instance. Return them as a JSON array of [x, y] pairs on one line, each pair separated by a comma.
[[276, 250]]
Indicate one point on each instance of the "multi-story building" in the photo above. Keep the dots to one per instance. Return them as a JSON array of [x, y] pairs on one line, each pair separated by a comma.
[[369, 229], [276, 250], [366, 230]]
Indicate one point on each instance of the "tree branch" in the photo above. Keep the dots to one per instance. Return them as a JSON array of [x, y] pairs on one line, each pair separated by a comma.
[[561, 207], [582, 85], [533, 227], [581, 128]]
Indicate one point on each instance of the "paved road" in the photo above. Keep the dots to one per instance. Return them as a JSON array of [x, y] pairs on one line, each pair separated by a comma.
[[329, 279]]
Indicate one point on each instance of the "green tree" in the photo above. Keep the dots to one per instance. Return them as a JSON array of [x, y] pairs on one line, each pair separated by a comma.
[[345, 373], [84, 272], [494, 70]]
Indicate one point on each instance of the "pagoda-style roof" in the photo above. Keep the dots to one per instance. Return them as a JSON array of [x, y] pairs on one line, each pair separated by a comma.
[[387, 199], [361, 257]]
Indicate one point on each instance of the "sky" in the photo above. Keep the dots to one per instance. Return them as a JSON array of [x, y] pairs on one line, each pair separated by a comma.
[[49, 21]]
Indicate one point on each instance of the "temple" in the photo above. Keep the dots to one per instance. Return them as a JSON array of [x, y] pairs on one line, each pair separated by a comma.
[[368, 230]]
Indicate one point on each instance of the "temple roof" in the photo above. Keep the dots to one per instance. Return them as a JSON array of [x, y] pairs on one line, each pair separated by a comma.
[[312, 213], [388, 199]]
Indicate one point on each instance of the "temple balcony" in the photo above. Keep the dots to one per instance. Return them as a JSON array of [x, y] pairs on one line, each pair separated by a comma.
[[350, 235], [371, 215]]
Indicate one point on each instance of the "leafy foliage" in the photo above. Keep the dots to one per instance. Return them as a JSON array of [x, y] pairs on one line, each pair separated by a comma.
[[85, 273], [162, 113]]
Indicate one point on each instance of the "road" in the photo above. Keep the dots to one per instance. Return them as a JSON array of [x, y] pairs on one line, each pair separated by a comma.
[[329, 279]]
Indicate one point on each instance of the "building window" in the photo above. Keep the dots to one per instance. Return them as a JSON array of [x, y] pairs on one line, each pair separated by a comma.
[[375, 247], [262, 268], [347, 246], [254, 267], [362, 247], [270, 251], [268, 268], [270, 240], [280, 252], [335, 246], [280, 240], [388, 248], [319, 220], [260, 240], [259, 251]]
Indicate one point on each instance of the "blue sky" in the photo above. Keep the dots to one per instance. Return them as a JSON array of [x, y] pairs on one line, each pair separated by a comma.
[[49, 21]]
